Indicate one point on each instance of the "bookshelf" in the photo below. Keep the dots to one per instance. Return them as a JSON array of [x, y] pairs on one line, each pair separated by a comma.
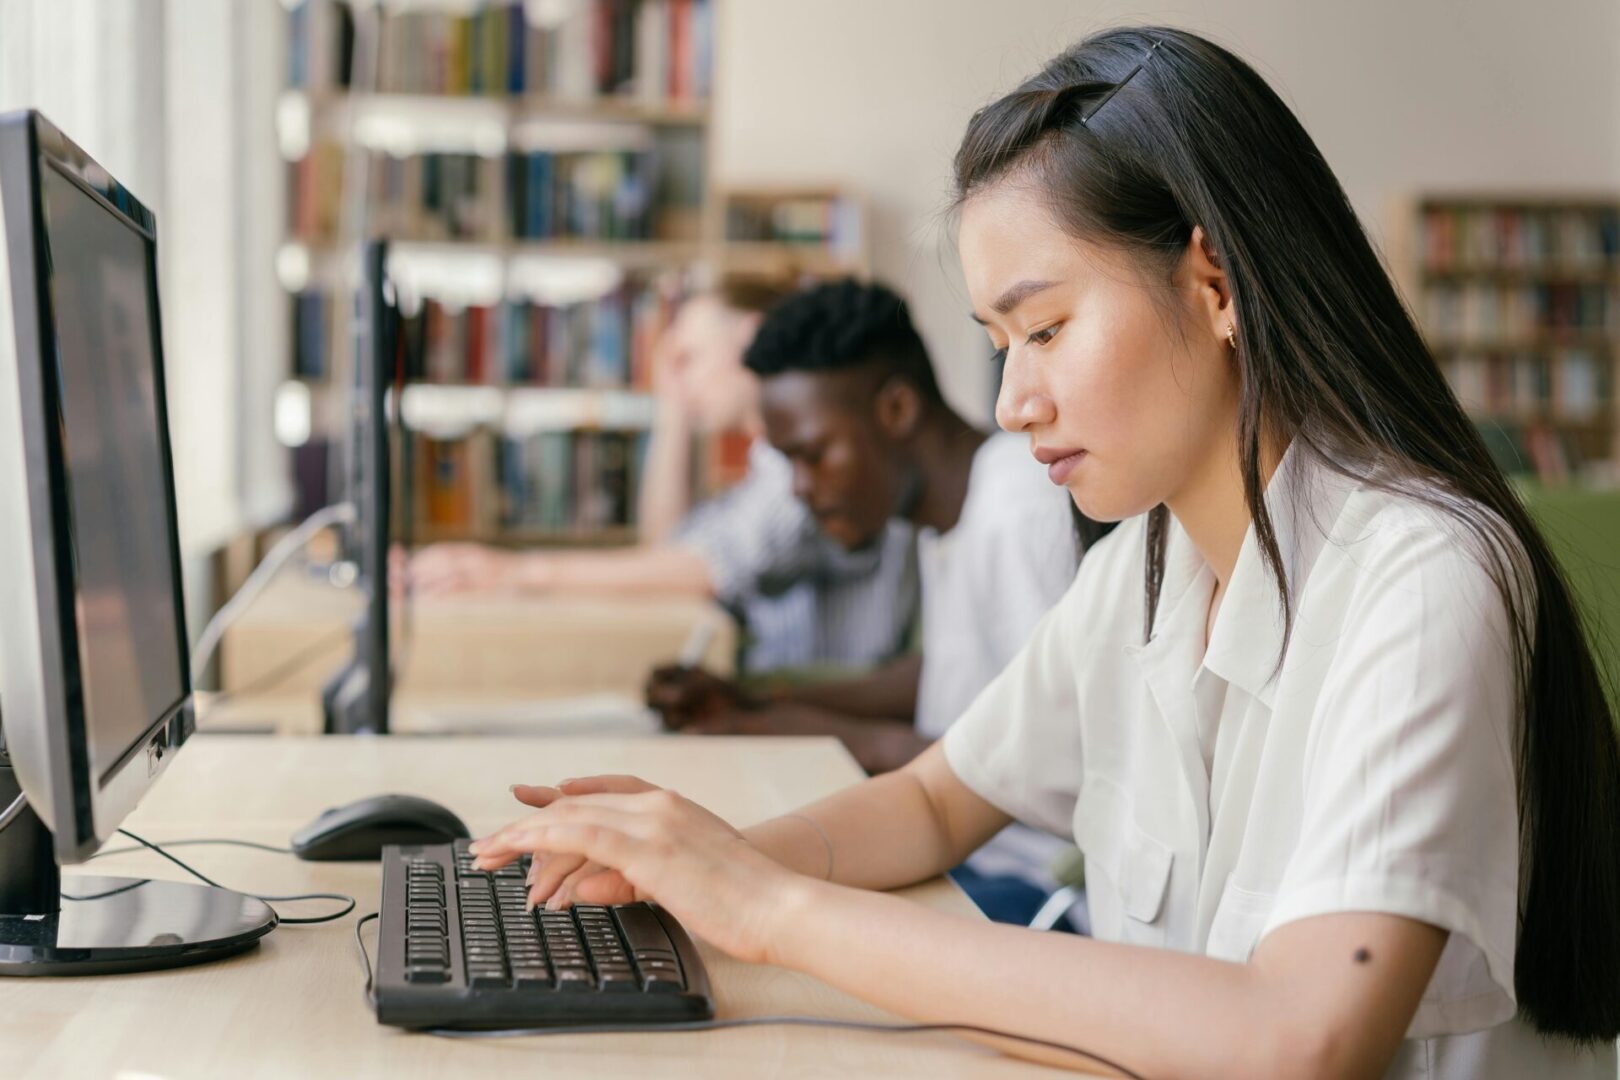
[[1519, 297], [543, 173]]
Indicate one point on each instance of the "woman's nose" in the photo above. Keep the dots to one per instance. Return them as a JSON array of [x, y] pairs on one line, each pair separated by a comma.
[[1022, 404]]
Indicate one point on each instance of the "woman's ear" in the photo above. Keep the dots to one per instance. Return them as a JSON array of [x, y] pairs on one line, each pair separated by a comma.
[[898, 408], [1208, 280]]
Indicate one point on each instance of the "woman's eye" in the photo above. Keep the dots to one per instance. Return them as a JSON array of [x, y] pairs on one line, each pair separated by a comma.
[[1042, 336]]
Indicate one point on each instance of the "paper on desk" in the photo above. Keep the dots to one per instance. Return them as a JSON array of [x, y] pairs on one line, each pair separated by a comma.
[[586, 714]]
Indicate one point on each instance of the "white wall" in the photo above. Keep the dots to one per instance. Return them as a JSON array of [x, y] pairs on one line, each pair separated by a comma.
[[170, 96], [1401, 96]]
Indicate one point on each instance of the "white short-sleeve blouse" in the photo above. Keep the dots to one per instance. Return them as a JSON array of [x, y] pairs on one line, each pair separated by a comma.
[[1219, 793]]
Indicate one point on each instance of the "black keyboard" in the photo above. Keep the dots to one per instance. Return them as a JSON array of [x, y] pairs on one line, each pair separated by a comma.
[[456, 949]]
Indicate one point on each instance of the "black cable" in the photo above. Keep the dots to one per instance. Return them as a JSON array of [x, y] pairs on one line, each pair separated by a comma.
[[183, 843], [739, 1022], [206, 880], [110, 892], [365, 957], [786, 1021]]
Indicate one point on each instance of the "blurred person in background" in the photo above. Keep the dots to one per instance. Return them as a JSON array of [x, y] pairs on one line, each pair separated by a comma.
[[851, 401], [803, 600]]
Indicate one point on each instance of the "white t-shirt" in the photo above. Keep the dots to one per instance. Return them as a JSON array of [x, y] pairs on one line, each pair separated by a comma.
[[985, 584], [1374, 771], [988, 580]]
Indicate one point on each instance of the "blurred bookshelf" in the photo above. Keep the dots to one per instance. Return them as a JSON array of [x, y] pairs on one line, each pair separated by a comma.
[[542, 171], [1519, 298]]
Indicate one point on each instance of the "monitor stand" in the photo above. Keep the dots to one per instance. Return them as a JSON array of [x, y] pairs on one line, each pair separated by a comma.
[[93, 925]]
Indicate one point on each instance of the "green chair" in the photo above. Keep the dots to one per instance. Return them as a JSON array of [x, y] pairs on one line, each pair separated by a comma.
[[1583, 527]]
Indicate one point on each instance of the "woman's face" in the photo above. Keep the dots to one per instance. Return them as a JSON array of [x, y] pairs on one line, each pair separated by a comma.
[[1127, 399]]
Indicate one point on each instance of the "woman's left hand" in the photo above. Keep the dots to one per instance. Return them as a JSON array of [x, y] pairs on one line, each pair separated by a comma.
[[670, 850]]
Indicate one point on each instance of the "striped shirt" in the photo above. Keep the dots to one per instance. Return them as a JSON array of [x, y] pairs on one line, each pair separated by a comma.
[[803, 600]]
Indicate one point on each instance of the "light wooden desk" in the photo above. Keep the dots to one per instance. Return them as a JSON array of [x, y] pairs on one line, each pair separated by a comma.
[[292, 639], [293, 1006]]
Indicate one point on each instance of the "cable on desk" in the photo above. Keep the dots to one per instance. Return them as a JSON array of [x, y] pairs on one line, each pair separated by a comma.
[[206, 880], [788, 1021], [208, 840], [365, 957], [738, 1022]]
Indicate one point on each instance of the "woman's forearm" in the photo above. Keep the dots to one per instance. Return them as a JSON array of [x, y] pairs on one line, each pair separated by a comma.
[[884, 833], [1159, 1012], [881, 835]]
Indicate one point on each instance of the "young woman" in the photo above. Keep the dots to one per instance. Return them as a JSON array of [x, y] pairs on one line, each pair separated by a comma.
[[1319, 712]]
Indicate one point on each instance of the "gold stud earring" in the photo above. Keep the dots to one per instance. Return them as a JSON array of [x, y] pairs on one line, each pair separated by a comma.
[[1231, 334]]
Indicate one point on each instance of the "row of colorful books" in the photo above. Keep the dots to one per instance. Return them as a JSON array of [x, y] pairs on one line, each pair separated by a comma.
[[595, 195], [1479, 311], [1568, 386], [604, 343], [1489, 238], [652, 50], [832, 220], [561, 482]]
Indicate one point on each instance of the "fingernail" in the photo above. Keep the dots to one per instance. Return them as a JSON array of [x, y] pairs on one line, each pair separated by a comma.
[[570, 780], [528, 904], [555, 903], [528, 879], [475, 847]]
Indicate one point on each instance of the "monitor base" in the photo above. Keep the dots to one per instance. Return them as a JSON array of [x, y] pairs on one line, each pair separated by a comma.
[[109, 925]]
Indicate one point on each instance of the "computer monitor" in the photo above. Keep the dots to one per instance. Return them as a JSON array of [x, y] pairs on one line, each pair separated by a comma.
[[95, 690], [355, 701]]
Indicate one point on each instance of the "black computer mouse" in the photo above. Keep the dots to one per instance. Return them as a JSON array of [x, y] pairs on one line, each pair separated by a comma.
[[362, 829]]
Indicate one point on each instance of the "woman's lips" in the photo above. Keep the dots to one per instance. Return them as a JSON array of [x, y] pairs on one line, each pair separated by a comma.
[[1059, 470], [1059, 463]]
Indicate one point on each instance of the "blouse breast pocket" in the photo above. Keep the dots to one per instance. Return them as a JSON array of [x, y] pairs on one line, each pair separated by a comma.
[[1127, 871], [1239, 918]]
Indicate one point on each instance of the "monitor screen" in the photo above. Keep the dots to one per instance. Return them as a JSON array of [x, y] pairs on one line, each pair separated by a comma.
[[103, 314]]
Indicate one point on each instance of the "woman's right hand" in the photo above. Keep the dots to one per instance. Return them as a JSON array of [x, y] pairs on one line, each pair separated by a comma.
[[558, 880]]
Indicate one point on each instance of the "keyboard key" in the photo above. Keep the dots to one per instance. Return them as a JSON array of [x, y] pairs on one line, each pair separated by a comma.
[[426, 973], [642, 930], [617, 981], [574, 979], [663, 984]]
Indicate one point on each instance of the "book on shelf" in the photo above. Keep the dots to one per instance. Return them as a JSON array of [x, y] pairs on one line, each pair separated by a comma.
[[653, 51], [1565, 386], [1506, 237], [1484, 311], [1520, 300], [312, 330], [558, 483], [828, 219], [599, 195], [604, 343]]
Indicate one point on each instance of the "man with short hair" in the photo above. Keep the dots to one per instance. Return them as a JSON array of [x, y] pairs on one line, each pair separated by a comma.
[[849, 399]]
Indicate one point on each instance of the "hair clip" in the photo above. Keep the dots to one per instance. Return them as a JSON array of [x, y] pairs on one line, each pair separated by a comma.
[[1117, 87]]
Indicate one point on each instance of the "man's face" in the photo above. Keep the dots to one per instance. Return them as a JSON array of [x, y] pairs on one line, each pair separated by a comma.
[[845, 469]]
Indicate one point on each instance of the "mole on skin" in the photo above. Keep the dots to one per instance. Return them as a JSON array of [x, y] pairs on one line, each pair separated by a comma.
[[1363, 955]]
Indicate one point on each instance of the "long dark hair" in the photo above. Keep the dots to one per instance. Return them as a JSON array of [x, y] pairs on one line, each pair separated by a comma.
[[1136, 136]]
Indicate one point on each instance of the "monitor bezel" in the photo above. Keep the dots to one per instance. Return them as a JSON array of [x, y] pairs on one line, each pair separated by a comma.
[[44, 716]]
